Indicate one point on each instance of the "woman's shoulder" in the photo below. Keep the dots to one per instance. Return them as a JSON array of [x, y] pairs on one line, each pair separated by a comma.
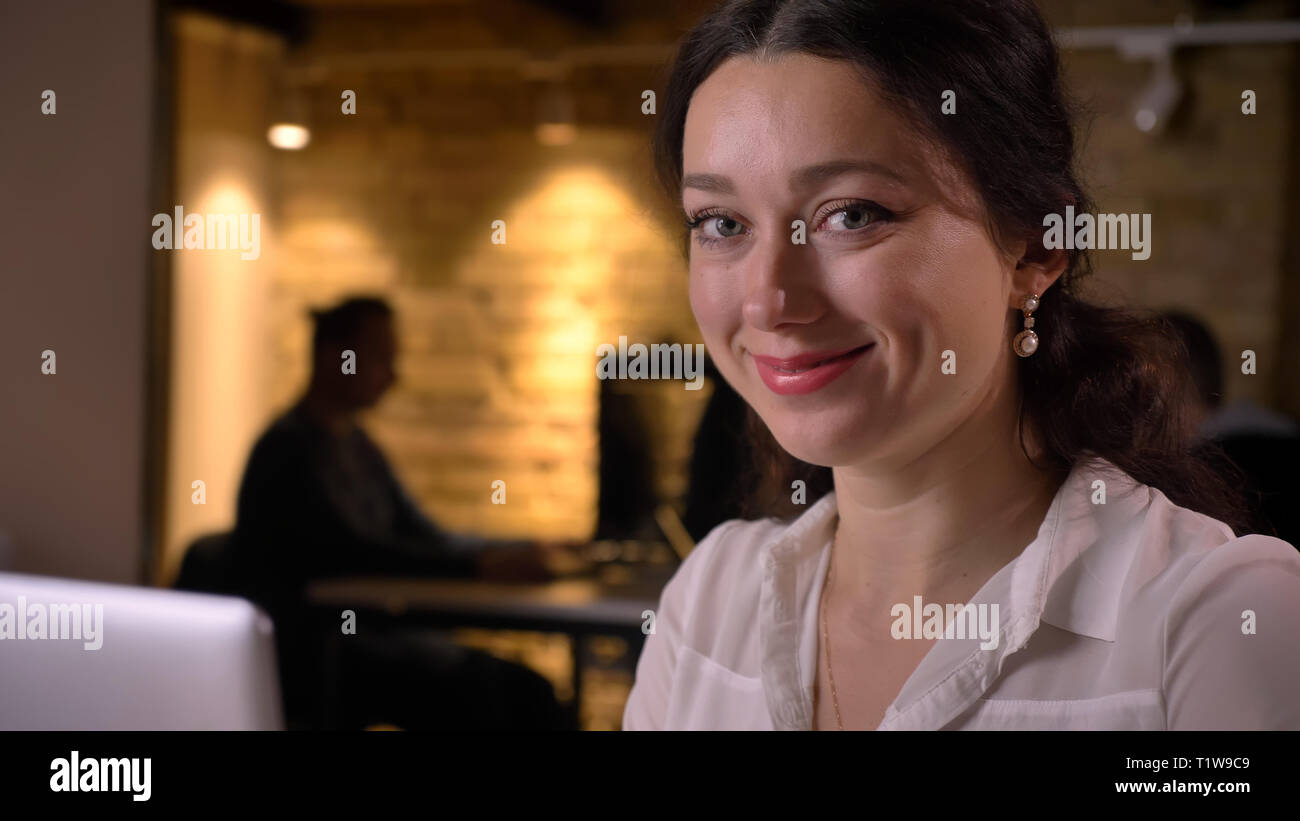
[[733, 545], [1204, 545], [1251, 562], [727, 564], [1227, 632], [1146, 536], [714, 600], [1199, 568], [1138, 564]]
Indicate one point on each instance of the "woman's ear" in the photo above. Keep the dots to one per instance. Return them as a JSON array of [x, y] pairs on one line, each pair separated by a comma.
[[1037, 269]]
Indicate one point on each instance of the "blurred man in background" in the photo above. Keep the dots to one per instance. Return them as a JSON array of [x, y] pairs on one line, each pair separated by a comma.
[[319, 499]]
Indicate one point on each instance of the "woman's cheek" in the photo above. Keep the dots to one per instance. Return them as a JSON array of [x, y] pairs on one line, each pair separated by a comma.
[[715, 305]]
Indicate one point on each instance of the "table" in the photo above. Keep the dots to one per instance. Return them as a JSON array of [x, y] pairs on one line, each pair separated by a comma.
[[579, 607]]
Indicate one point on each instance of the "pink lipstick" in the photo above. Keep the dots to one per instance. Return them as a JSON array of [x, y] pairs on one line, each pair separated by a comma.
[[807, 372]]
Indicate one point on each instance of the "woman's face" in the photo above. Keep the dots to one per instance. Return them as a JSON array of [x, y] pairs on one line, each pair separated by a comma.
[[895, 266]]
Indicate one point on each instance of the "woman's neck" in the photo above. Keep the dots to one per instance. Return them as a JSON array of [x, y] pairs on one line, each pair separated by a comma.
[[941, 524]]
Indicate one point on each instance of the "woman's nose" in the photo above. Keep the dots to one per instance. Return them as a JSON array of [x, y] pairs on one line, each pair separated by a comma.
[[782, 286]]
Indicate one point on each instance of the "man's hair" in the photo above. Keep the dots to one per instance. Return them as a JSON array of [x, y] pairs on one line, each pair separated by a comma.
[[342, 322]]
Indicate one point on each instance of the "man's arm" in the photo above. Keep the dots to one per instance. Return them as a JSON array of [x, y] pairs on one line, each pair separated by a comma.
[[415, 526], [285, 507]]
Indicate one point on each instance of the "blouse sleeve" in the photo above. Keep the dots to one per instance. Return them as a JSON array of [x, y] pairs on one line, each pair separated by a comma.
[[647, 704], [1232, 640]]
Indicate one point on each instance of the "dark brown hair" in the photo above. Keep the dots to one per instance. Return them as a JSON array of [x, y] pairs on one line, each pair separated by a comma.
[[1105, 381]]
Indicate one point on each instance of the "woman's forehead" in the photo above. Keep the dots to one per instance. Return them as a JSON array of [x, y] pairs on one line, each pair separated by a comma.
[[768, 121], [781, 116]]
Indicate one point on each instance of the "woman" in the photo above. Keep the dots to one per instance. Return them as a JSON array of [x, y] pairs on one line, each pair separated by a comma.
[[865, 185]]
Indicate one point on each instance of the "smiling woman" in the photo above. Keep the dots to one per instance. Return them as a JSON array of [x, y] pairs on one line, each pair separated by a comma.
[[864, 261]]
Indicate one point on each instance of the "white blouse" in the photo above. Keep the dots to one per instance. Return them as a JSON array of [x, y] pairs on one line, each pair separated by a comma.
[[1127, 614]]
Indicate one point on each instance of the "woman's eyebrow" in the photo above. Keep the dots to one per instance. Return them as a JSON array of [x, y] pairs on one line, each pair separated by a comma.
[[812, 175], [805, 177], [717, 183]]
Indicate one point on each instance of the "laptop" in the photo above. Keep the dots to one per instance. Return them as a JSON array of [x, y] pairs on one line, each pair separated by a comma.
[[77, 655]]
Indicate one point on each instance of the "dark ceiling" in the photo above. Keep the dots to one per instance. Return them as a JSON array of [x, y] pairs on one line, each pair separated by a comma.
[[290, 18]]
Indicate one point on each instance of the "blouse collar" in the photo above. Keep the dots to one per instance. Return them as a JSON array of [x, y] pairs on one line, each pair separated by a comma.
[[1070, 576]]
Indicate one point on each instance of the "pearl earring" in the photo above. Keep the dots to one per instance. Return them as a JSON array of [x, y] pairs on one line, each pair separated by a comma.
[[1026, 342]]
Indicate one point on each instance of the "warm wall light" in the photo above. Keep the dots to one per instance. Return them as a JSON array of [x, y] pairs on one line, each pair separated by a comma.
[[288, 136], [556, 133]]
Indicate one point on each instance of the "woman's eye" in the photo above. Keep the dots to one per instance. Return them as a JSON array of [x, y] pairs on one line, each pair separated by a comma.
[[726, 226], [703, 226], [851, 218], [855, 216], [845, 216]]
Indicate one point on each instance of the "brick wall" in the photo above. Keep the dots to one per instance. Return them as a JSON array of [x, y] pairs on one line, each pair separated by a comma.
[[498, 363], [1215, 184]]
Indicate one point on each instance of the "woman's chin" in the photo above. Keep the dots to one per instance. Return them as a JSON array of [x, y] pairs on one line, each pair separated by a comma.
[[825, 448]]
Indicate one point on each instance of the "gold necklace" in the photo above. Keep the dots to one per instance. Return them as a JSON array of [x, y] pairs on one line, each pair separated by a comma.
[[826, 638]]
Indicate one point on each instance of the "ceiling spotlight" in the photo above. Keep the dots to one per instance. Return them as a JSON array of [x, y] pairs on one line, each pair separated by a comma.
[[288, 136], [556, 124], [1156, 104], [289, 130]]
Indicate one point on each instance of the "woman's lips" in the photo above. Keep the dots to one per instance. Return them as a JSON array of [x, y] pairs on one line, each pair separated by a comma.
[[807, 372]]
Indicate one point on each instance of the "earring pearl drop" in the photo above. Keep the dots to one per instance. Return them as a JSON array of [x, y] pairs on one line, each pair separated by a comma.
[[1026, 342]]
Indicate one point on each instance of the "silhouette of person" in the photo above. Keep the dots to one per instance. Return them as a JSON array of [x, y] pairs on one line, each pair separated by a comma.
[[1262, 443], [319, 499], [720, 460], [627, 492]]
